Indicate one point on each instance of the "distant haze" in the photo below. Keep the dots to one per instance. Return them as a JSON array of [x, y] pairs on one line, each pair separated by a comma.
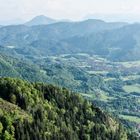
[[114, 10]]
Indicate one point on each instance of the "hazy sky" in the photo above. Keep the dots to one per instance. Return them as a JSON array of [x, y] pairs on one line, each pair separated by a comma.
[[66, 9]]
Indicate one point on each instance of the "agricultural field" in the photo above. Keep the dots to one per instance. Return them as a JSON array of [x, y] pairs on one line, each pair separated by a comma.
[[130, 118], [132, 88], [119, 92]]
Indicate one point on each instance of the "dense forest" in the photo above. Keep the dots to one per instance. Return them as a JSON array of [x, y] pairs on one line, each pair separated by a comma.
[[37, 111]]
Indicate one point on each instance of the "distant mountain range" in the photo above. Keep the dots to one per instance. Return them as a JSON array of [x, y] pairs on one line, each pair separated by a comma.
[[117, 41]]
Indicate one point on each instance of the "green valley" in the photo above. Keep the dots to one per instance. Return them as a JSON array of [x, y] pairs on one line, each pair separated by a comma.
[[70, 80]]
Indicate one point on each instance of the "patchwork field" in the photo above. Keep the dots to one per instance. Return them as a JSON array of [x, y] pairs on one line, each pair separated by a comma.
[[130, 64], [130, 118], [132, 88]]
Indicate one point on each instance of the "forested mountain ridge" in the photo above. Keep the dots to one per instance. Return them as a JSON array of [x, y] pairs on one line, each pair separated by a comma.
[[39, 111], [55, 38], [108, 40]]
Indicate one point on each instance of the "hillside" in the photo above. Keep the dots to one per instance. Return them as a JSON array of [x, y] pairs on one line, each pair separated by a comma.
[[19, 67], [39, 111], [47, 70]]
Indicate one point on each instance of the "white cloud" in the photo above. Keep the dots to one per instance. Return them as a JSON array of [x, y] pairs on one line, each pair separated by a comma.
[[65, 8]]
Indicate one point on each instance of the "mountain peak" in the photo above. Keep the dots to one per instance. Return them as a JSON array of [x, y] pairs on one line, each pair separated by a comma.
[[40, 20], [41, 17]]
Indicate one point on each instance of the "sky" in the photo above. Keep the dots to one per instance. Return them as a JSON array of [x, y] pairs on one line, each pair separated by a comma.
[[70, 9]]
